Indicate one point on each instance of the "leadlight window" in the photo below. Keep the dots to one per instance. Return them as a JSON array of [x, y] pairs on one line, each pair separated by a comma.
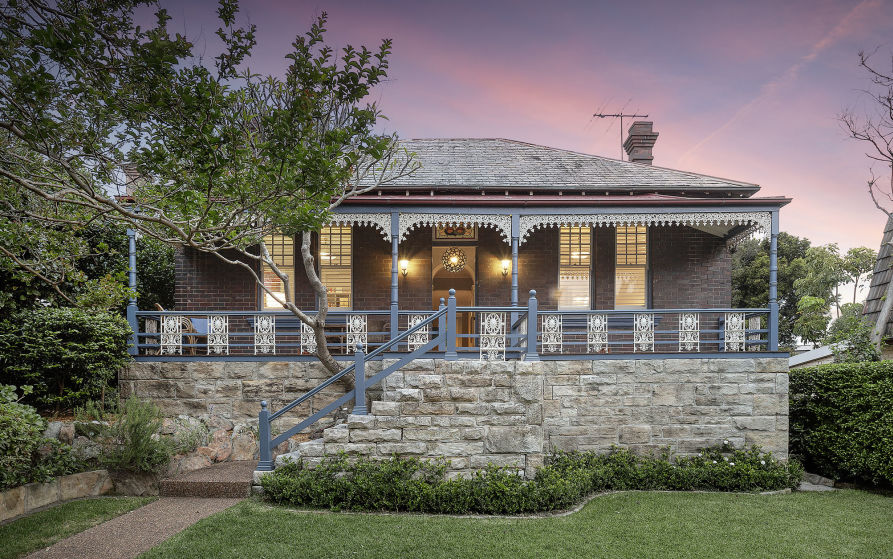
[[282, 252], [575, 265], [631, 268], [335, 257]]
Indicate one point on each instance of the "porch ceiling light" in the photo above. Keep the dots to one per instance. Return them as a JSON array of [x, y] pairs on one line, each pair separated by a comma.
[[453, 260], [404, 267], [505, 267]]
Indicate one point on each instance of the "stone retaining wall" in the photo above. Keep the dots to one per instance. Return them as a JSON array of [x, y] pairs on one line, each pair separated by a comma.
[[508, 413], [27, 498]]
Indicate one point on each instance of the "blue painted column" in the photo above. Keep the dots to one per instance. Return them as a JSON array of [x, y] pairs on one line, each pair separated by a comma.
[[451, 331], [773, 284], [516, 227], [395, 277], [131, 302], [265, 452]]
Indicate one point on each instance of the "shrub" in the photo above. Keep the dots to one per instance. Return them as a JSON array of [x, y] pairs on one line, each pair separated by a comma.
[[132, 443], [26, 455], [414, 485], [69, 356], [842, 420]]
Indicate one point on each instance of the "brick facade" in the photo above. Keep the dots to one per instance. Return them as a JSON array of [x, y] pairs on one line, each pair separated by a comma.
[[688, 269]]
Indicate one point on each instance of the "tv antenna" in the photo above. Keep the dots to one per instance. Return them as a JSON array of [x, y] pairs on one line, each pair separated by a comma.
[[621, 116]]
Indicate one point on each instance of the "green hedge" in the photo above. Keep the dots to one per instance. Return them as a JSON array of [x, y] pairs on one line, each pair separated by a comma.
[[842, 420], [26, 455], [413, 485], [68, 355]]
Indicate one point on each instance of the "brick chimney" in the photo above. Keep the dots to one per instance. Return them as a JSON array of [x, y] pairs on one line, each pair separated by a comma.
[[639, 142]]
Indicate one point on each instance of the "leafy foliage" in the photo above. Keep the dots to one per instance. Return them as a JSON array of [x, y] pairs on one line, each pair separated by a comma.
[[750, 279], [850, 337], [411, 484], [68, 355], [131, 442], [812, 320], [27, 456], [842, 420]]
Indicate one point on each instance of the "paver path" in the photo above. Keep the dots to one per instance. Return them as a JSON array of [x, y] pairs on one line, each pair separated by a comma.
[[130, 534]]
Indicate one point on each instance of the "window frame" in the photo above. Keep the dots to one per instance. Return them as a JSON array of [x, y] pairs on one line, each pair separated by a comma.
[[591, 267], [647, 276]]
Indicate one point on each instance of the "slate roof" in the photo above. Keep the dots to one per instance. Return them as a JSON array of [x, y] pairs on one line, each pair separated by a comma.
[[883, 270], [480, 163]]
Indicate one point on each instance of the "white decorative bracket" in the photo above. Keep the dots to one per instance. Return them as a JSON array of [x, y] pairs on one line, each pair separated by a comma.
[[501, 223], [380, 221]]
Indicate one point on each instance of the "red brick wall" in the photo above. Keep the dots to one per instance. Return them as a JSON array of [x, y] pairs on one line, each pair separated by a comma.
[[203, 281], [689, 269], [538, 268], [415, 288], [493, 289], [371, 270], [603, 267]]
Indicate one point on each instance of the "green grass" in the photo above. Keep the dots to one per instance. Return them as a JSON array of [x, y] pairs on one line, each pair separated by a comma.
[[46, 527], [638, 524]]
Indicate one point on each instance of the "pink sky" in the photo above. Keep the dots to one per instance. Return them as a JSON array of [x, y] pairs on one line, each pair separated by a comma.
[[744, 90]]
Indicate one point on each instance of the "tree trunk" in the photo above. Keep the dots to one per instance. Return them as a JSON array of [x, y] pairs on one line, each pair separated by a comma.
[[319, 326]]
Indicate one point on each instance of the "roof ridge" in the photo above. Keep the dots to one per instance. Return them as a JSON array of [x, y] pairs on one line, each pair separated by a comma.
[[594, 156]]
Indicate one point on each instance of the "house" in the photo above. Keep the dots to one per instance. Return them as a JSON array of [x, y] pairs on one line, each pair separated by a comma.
[[534, 297], [877, 293]]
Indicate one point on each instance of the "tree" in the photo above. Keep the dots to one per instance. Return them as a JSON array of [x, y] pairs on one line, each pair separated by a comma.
[[750, 278], [824, 274], [850, 337], [858, 264], [216, 157], [874, 129], [812, 319]]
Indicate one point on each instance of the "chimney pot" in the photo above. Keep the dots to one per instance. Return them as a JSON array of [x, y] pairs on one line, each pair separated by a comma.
[[639, 142]]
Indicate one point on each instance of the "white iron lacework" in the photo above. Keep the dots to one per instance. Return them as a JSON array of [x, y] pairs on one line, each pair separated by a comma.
[[492, 335], [171, 334], [308, 339], [381, 221], [356, 332], [689, 332], [755, 220], [643, 332], [597, 333], [264, 333], [553, 335], [420, 337], [218, 334], [734, 331], [502, 223]]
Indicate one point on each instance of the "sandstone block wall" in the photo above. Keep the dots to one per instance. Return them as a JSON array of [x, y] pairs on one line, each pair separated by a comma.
[[508, 413]]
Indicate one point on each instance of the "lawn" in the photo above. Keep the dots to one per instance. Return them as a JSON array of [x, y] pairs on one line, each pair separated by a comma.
[[635, 524], [46, 527]]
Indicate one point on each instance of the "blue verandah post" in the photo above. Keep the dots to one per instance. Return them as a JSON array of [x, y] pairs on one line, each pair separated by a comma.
[[441, 325], [395, 278], [773, 284], [359, 387], [516, 227], [132, 348], [451, 354], [532, 354], [265, 464]]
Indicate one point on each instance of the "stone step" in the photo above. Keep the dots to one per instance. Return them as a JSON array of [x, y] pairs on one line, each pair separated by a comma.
[[226, 479]]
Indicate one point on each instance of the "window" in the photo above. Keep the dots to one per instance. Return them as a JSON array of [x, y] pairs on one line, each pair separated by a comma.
[[630, 283], [574, 270], [335, 248], [282, 252]]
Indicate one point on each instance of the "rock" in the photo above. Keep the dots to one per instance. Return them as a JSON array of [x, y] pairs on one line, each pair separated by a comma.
[[85, 449], [216, 422], [135, 484], [168, 426], [66, 433], [816, 479], [244, 447], [53, 428]]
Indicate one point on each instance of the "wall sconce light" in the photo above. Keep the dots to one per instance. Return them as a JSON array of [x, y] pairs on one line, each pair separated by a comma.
[[505, 267], [404, 267]]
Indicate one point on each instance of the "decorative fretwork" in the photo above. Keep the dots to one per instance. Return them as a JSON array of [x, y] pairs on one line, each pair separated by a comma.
[[308, 339], [501, 223], [264, 333], [755, 220], [492, 335], [689, 332], [553, 335], [597, 333], [218, 334], [357, 328], [643, 332], [171, 334], [735, 327], [380, 221], [420, 337]]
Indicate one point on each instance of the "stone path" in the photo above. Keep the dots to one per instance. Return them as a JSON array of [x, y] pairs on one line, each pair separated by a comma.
[[130, 534]]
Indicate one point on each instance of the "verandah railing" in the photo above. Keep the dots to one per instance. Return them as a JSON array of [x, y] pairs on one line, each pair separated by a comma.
[[498, 332]]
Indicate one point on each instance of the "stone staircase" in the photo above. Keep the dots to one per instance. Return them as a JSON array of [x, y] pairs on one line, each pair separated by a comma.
[[225, 479]]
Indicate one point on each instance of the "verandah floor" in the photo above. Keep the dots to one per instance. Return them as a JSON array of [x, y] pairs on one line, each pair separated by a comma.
[[635, 524]]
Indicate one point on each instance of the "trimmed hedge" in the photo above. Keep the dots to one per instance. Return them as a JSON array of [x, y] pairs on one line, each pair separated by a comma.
[[842, 420], [68, 355], [414, 485]]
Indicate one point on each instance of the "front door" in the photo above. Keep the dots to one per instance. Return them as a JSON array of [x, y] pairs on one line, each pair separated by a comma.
[[462, 280]]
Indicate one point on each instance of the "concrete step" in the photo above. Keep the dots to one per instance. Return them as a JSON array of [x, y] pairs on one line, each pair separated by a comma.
[[226, 479]]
